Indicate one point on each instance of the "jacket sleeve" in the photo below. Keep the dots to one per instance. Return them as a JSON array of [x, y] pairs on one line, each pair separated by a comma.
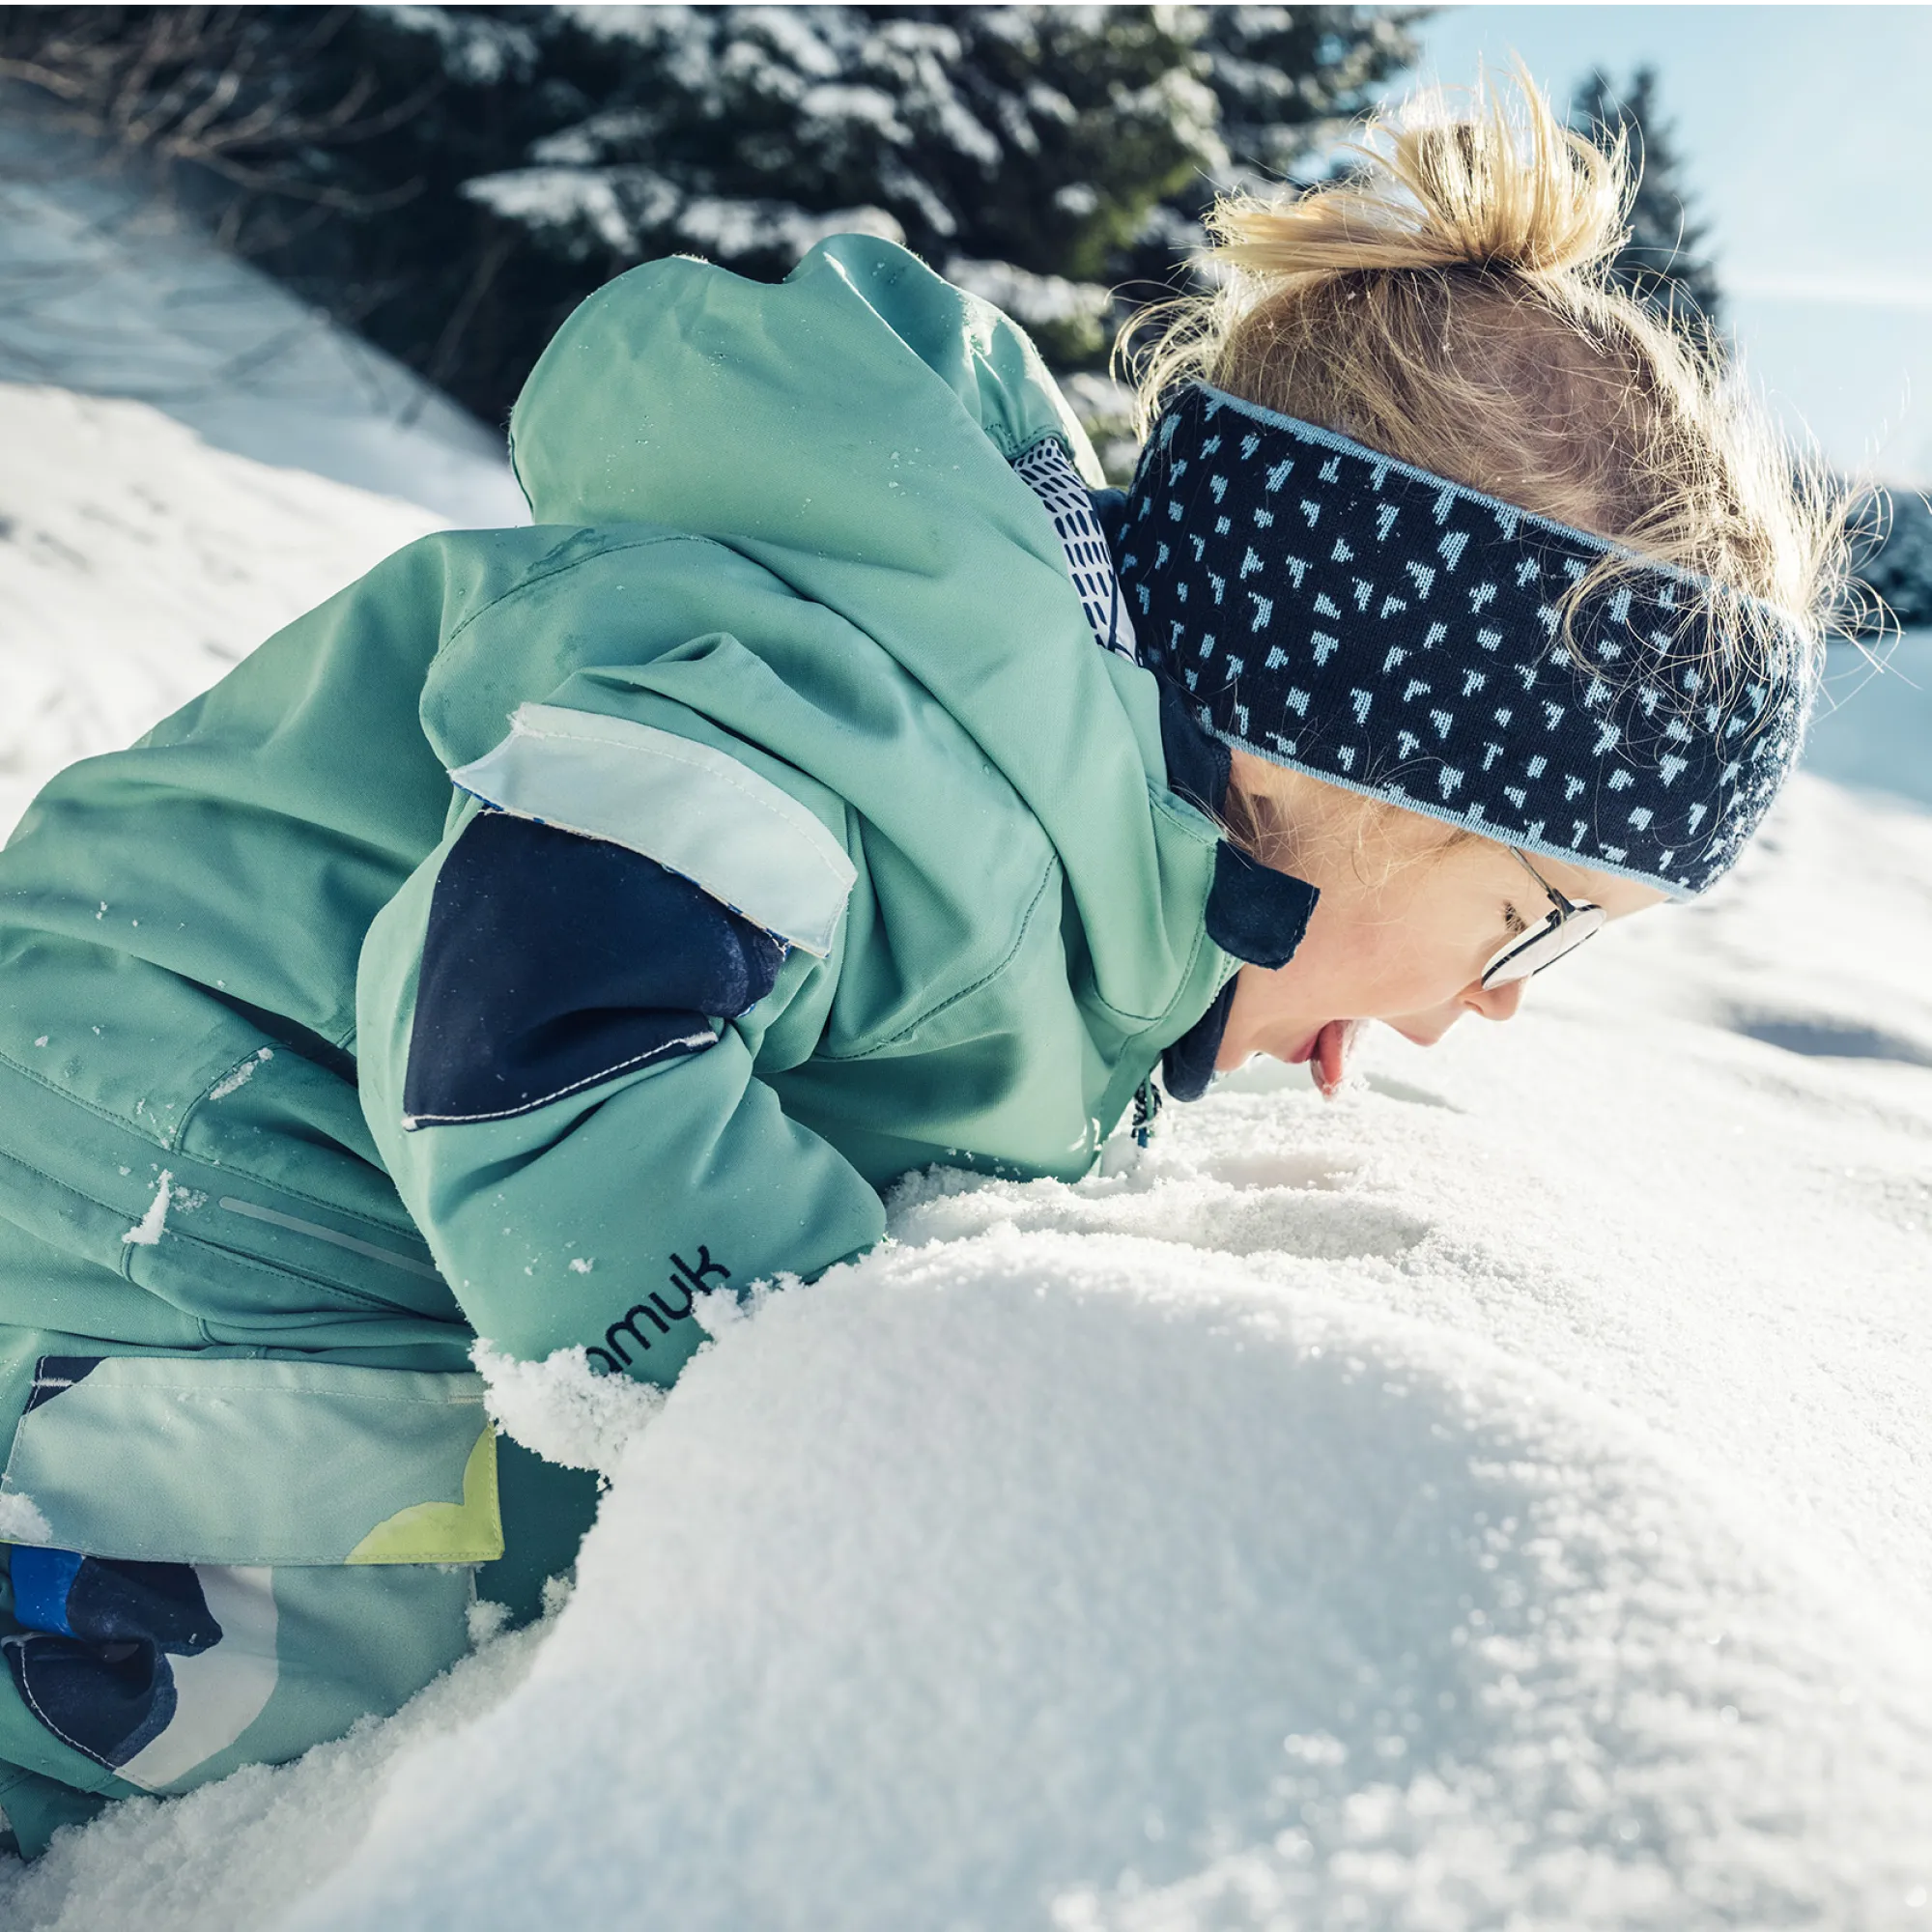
[[557, 1043]]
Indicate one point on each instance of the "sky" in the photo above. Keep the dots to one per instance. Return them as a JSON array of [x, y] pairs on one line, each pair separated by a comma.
[[1806, 142]]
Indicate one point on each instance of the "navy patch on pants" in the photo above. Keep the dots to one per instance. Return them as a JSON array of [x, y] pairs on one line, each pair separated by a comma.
[[146, 1669]]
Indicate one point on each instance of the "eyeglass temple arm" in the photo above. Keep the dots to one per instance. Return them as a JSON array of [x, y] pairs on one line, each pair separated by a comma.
[[1556, 898]]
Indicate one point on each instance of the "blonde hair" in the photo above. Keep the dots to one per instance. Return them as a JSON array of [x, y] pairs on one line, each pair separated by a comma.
[[1450, 303]]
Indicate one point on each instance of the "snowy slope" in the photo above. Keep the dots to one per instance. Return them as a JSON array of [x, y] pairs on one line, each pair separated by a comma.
[[106, 293], [1500, 1497], [191, 457]]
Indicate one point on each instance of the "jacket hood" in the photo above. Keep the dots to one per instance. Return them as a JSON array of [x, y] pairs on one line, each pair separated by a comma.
[[852, 430]]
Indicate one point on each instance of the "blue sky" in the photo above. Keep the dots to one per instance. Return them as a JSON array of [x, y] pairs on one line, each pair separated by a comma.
[[1806, 134]]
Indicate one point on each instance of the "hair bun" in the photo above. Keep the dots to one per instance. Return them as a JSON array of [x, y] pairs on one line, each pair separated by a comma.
[[1505, 185]]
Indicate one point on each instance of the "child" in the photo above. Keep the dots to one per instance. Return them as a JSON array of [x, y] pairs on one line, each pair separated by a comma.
[[563, 924]]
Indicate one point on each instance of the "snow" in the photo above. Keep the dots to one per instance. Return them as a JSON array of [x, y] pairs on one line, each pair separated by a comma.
[[233, 1083], [476, 50], [20, 1518], [1031, 299], [1106, 412], [138, 562], [111, 295], [199, 459], [270, 1839], [1497, 1499], [560, 1409], [146, 1232], [623, 207]]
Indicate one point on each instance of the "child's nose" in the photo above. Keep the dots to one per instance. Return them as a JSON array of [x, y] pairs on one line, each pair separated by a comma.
[[1494, 1002]]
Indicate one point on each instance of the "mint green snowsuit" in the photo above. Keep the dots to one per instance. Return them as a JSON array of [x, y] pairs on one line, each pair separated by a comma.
[[789, 631]]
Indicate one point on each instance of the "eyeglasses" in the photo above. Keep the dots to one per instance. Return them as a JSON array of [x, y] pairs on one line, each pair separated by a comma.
[[1561, 930]]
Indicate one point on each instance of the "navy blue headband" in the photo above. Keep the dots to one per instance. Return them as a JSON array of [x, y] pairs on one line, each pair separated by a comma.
[[1381, 628]]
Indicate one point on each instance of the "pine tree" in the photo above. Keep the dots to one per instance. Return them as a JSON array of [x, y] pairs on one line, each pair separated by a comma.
[[1898, 565], [1015, 147], [453, 180], [1286, 82], [1666, 264]]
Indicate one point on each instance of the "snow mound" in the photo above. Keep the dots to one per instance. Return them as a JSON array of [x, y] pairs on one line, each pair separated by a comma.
[[1027, 1579]]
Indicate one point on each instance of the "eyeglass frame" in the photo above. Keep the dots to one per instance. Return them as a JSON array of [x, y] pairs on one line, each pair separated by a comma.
[[1565, 911]]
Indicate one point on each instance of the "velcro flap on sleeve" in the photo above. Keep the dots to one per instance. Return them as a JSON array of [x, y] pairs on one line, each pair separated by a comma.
[[186, 1460], [694, 809]]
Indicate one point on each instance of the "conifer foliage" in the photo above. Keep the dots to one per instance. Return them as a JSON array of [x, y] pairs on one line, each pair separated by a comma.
[[453, 180], [1666, 261], [1898, 528]]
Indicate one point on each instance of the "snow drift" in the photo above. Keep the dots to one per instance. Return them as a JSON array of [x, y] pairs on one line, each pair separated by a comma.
[[106, 291], [1500, 1497]]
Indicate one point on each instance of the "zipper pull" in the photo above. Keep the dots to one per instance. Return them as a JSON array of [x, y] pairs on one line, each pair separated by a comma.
[[1147, 1110]]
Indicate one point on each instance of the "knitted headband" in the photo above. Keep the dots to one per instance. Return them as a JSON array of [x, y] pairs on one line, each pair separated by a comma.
[[1384, 628]]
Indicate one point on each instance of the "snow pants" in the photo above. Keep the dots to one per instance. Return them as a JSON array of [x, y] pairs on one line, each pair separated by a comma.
[[222, 1552]]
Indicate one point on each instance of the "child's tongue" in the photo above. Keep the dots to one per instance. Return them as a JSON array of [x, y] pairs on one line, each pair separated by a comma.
[[1330, 1059]]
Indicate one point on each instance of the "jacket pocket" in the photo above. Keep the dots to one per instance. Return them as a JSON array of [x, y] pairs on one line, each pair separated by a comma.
[[193, 1460]]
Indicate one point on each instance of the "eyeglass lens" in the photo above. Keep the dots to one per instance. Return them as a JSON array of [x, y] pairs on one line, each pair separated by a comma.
[[1557, 933]]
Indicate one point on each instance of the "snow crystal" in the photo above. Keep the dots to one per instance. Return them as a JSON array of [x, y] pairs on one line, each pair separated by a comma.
[[20, 1518], [234, 1081], [563, 1411], [146, 1232]]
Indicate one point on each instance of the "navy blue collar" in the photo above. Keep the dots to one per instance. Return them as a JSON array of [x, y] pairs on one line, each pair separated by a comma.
[[1253, 912], [1187, 1066]]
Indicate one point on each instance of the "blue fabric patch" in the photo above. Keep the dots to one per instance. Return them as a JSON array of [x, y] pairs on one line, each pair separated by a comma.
[[1197, 765], [93, 1662], [552, 962], [41, 1579], [55, 1374]]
